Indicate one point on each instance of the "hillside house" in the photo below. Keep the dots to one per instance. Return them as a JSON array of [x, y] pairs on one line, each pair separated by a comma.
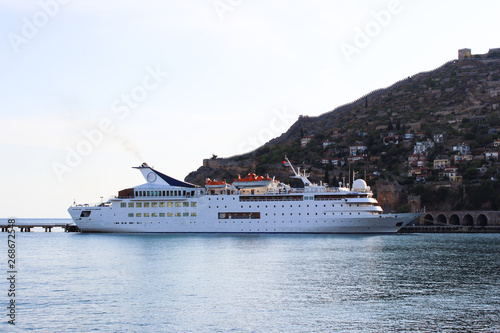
[[420, 135], [494, 130], [305, 140], [327, 143], [491, 155], [337, 162], [422, 147], [451, 173], [356, 158], [417, 161], [462, 149], [336, 133], [438, 138], [441, 163], [461, 158], [357, 150], [394, 139]]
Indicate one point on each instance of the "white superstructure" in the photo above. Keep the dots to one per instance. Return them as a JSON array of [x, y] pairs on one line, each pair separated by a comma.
[[164, 204]]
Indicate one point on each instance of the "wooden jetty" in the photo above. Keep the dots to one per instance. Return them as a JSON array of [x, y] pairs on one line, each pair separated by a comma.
[[25, 225]]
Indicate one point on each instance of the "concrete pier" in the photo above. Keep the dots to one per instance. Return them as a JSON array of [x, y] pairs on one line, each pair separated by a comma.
[[26, 225]]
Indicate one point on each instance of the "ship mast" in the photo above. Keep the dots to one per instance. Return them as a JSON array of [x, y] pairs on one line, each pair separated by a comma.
[[302, 176]]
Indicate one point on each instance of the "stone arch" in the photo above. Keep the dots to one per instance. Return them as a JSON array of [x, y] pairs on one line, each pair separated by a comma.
[[428, 219], [454, 219], [482, 220], [441, 219], [468, 220]]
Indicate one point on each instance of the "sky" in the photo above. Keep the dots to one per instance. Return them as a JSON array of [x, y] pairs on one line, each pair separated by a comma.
[[90, 89]]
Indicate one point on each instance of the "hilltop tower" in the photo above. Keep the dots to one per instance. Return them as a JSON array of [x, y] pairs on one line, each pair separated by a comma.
[[464, 54]]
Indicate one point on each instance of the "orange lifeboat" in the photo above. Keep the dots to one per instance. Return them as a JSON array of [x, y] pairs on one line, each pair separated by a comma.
[[252, 180], [215, 183]]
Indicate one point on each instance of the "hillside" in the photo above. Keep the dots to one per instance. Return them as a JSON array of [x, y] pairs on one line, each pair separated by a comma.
[[433, 138]]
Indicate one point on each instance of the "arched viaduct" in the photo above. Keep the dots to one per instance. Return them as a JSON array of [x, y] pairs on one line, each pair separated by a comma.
[[460, 218]]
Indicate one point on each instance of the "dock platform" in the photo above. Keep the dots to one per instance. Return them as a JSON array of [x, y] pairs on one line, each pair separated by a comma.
[[26, 224]]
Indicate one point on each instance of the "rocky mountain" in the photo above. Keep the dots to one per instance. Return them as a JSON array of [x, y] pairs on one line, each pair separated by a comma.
[[433, 136]]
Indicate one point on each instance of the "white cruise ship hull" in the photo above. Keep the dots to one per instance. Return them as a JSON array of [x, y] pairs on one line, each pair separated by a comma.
[[269, 217], [167, 205]]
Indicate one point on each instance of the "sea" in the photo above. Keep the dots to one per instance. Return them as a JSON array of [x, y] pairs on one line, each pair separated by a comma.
[[74, 282]]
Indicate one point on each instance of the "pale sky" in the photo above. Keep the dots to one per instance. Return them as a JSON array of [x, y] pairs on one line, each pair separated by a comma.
[[92, 88]]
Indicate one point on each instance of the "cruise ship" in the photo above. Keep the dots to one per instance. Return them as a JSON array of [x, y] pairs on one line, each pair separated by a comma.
[[253, 204]]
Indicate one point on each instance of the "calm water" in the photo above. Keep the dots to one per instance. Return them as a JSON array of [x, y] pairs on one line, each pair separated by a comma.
[[243, 283]]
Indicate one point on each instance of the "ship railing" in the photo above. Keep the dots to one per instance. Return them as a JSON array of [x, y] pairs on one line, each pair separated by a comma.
[[316, 190], [103, 204]]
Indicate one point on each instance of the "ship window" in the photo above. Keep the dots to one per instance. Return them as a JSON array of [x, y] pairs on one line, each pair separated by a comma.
[[146, 205], [147, 193], [177, 204], [123, 205], [170, 214], [154, 204], [138, 204], [177, 214], [162, 214], [156, 193], [130, 214], [131, 204], [85, 213], [154, 215], [193, 204], [185, 214], [136, 193], [138, 215], [162, 204], [146, 214], [185, 204], [163, 193], [183, 193], [170, 204]]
